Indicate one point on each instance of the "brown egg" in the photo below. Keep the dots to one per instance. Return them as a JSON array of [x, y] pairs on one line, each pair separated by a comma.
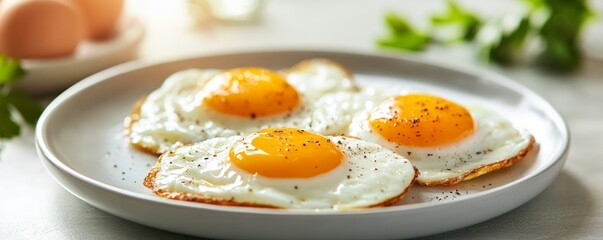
[[101, 17], [39, 28]]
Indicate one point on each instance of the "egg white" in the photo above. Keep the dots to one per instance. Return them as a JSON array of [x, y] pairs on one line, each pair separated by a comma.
[[317, 77], [494, 139], [174, 114], [369, 175]]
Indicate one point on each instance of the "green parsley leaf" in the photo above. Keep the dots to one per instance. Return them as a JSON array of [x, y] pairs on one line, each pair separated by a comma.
[[555, 23], [8, 127], [508, 45], [13, 101], [29, 109], [534, 4], [10, 70], [560, 33], [402, 36], [409, 42], [468, 22]]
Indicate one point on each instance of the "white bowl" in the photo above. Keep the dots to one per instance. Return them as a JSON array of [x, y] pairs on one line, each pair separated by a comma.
[[56, 74]]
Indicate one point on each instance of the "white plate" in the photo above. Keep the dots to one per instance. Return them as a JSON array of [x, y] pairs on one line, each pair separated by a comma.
[[80, 140], [55, 74]]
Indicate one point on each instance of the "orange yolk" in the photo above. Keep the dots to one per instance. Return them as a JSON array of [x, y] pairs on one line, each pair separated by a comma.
[[285, 153], [421, 120], [249, 92]]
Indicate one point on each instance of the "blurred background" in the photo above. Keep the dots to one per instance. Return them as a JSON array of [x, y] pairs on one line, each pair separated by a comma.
[[82, 37], [324, 24]]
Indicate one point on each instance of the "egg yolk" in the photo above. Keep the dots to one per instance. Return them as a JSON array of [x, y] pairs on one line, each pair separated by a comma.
[[249, 92], [285, 153], [421, 120]]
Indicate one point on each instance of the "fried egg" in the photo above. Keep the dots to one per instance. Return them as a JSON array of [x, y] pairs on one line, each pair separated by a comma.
[[283, 168], [448, 143], [194, 105]]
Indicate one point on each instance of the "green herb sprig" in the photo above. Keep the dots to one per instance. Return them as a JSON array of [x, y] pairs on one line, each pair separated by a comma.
[[14, 103], [556, 24]]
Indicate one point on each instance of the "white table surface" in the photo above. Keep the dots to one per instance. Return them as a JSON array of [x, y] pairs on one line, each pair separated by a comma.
[[34, 206]]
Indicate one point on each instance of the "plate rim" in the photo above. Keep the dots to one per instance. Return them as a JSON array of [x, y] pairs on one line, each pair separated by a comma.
[[488, 75]]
